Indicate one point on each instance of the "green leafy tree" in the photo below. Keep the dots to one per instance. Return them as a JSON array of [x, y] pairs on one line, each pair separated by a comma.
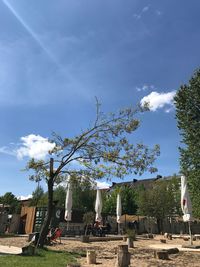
[[37, 195], [11, 200], [161, 200], [128, 199], [187, 102], [83, 193], [59, 196], [102, 150]]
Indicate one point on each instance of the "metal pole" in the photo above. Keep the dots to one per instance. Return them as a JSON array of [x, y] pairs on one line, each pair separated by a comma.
[[191, 241], [118, 228]]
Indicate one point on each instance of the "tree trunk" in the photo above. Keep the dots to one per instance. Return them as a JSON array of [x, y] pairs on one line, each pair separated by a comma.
[[45, 227], [160, 225]]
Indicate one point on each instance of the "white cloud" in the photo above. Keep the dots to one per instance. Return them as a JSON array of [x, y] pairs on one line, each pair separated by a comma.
[[158, 12], [139, 15], [34, 146], [24, 197], [5, 150], [145, 9], [102, 185], [145, 87], [159, 100]]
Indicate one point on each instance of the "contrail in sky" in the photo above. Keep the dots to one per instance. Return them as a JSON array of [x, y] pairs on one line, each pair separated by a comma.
[[31, 32]]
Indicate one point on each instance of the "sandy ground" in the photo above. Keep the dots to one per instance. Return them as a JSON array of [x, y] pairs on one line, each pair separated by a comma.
[[141, 255]]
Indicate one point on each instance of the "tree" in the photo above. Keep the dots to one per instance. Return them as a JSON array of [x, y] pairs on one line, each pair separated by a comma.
[[11, 200], [128, 198], [83, 193], [37, 195], [162, 199], [102, 150], [59, 196], [187, 102]]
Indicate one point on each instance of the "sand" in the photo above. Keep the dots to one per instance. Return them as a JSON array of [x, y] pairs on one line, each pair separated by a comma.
[[142, 254]]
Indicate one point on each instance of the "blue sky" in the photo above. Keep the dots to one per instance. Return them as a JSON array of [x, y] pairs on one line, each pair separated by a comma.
[[56, 56]]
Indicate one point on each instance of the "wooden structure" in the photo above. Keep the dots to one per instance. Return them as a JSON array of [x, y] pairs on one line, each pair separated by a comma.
[[27, 219]]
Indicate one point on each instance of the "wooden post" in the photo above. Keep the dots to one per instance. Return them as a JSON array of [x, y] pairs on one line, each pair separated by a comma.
[[123, 256], [91, 257], [130, 242]]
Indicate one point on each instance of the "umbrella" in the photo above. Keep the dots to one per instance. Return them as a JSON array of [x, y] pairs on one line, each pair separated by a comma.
[[186, 205], [98, 206], [68, 203], [119, 208], [119, 211]]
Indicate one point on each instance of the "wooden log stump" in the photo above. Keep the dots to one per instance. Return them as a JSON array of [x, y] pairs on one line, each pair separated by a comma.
[[91, 257], [130, 242], [163, 240], [124, 238], [161, 255], [123, 256]]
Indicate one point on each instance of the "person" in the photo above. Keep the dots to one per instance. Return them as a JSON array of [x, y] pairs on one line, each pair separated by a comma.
[[55, 234]]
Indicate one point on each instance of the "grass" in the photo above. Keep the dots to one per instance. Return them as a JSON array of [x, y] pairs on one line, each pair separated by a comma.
[[43, 258]]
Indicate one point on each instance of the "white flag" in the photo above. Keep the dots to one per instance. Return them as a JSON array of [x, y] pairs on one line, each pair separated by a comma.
[[186, 205]]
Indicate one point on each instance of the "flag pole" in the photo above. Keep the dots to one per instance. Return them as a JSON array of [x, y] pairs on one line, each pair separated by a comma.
[[190, 233], [118, 228]]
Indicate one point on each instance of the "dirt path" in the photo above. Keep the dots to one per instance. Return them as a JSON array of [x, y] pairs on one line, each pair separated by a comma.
[[141, 255]]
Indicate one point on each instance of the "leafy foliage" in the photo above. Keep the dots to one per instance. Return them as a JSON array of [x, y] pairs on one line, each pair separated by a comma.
[[37, 195], [161, 200], [102, 150], [83, 194], [187, 102], [11, 200], [128, 198]]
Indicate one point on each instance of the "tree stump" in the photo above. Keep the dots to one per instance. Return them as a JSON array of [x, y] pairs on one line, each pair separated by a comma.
[[123, 256], [130, 242], [124, 238], [161, 255], [163, 240], [91, 257]]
